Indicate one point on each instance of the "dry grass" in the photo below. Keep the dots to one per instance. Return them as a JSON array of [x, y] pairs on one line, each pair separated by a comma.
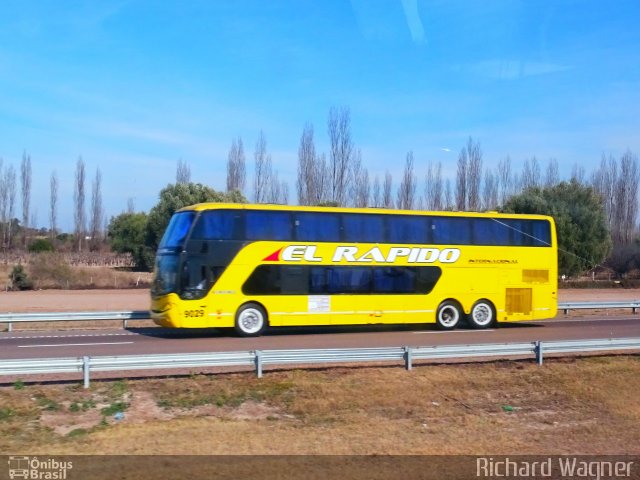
[[576, 406], [52, 272]]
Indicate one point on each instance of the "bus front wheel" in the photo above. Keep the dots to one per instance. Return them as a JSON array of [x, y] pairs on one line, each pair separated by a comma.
[[448, 315], [482, 314], [251, 320]]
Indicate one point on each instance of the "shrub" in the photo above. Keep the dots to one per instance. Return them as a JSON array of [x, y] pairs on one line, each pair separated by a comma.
[[19, 279], [51, 270], [41, 245]]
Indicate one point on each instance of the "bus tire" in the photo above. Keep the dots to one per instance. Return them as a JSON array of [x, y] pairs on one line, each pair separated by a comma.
[[448, 315], [251, 320], [482, 315]]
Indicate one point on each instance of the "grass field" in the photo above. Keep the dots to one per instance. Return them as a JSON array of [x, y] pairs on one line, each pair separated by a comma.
[[570, 406]]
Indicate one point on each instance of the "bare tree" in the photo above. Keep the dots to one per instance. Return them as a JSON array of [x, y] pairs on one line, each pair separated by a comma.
[[262, 171], [461, 180], [131, 205], [530, 173], [387, 200], [307, 169], [433, 187], [78, 201], [10, 203], [448, 195], [605, 182], [376, 198], [321, 175], [474, 174], [236, 166], [274, 193], [577, 173], [183, 172], [628, 182], [361, 186], [407, 190], [490, 192], [53, 204], [284, 193], [339, 126], [97, 211], [3, 206], [25, 182], [552, 175], [505, 180]]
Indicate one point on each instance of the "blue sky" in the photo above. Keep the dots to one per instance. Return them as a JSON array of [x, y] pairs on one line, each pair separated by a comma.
[[133, 86]]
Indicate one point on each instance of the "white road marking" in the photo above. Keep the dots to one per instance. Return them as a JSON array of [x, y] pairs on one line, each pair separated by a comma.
[[73, 344], [68, 336], [458, 331]]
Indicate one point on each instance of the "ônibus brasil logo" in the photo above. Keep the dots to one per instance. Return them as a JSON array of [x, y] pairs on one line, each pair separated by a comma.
[[352, 254]]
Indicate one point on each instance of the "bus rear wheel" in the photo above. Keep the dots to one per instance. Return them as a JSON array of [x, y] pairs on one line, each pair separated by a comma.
[[482, 315], [448, 315], [251, 320]]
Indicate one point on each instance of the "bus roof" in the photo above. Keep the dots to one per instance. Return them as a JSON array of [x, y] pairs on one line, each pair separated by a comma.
[[292, 208]]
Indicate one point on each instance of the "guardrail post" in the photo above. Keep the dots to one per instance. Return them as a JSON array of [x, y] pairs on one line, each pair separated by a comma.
[[124, 324], [633, 309], [566, 311], [258, 355], [538, 350], [10, 327], [86, 361], [408, 358]]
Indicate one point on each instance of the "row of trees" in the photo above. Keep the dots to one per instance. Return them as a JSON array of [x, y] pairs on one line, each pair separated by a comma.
[[342, 179], [88, 231]]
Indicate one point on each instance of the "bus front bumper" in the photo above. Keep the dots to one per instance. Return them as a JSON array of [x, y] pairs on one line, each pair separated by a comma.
[[165, 311]]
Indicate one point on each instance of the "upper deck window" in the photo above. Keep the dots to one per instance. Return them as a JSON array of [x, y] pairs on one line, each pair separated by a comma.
[[268, 225], [363, 228], [177, 230], [451, 230], [409, 229], [215, 225], [317, 227]]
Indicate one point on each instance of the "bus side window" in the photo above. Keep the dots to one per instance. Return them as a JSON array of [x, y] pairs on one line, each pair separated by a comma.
[[317, 227], [394, 280], [318, 280], [541, 231], [451, 230], [265, 280], [349, 280], [215, 225], [268, 225], [408, 229], [487, 231], [365, 228]]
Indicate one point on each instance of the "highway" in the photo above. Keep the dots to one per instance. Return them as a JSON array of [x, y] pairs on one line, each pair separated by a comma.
[[147, 340]]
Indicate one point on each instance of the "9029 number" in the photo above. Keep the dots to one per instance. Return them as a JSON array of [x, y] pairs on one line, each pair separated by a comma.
[[194, 313]]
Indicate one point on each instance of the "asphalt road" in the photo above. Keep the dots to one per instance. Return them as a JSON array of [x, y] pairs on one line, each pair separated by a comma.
[[73, 343]]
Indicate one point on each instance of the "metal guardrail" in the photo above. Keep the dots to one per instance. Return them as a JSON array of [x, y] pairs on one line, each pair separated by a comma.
[[11, 318], [566, 306], [259, 358]]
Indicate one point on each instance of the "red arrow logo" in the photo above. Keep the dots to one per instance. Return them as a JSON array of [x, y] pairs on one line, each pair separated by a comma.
[[274, 257]]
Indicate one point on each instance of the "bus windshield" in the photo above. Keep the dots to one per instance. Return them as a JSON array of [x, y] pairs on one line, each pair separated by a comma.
[[177, 230]]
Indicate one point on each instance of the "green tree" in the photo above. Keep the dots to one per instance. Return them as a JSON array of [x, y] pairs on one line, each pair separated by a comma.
[[583, 237], [127, 235], [176, 196]]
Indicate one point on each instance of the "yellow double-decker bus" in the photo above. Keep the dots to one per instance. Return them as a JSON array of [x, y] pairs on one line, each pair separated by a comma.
[[251, 267]]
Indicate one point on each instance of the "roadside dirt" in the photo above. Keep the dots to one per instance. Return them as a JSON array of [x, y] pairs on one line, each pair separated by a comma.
[[570, 406]]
